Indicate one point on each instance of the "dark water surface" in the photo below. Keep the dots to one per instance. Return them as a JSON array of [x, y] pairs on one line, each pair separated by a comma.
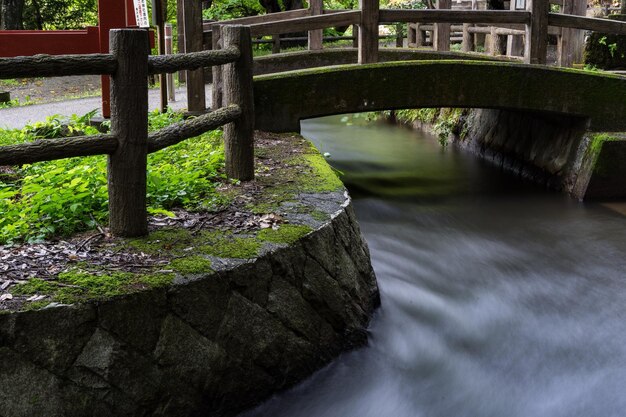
[[498, 298]]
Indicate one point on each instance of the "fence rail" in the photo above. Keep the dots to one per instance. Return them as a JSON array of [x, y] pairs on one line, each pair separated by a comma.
[[129, 143]]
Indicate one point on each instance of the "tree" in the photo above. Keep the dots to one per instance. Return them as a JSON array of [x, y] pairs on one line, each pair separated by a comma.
[[11, 12], [47, 14]]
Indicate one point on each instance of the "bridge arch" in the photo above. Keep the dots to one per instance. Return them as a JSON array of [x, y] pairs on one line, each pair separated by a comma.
[[282, 100]]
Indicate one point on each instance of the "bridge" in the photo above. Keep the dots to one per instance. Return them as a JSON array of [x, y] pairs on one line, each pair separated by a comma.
[[282, 100]]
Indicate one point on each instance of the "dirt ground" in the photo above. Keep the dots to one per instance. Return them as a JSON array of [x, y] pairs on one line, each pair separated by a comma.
[[44, 90]]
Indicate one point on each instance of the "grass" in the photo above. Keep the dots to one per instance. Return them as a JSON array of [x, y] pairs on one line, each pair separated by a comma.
[[70, 195]]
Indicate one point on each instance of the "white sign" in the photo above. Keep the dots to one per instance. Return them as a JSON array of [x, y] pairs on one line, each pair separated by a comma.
[[141, 13]]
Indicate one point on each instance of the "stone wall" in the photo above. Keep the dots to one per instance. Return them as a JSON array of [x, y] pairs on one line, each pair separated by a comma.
[[554, 150], [537, 146], [210, 345]]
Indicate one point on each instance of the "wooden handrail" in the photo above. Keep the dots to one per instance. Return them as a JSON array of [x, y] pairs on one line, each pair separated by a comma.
[[587, 23], [57, 65], [454, 16], [306, 23], [162, 64], [51, 149], [178, 132], [263, 18]]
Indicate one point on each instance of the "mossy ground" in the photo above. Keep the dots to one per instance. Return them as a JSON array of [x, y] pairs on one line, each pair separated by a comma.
[[287, 166]]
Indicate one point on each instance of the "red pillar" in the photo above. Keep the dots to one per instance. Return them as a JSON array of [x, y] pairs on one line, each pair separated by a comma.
[[112, 14]]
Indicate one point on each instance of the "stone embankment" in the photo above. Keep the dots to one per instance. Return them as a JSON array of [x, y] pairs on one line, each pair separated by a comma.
[[210, 343]]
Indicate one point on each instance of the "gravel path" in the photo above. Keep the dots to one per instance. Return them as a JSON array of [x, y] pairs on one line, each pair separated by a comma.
[[53, 96]]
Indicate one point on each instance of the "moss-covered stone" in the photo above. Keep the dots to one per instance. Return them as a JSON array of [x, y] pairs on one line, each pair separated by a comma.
[[78, 285], [287, 233], [191, 265], [224, 245]]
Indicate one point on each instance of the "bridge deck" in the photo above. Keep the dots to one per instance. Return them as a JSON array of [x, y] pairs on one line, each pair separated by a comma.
[[282, 100]]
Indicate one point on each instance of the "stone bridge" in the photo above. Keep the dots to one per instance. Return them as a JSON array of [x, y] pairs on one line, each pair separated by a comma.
[[282, 100]]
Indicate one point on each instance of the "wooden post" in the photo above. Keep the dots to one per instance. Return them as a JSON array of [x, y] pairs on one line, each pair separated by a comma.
[[316, 37], [536, 41], [182, 75], [216, 94], [571, 41], [441, 40], [399, 36], [276, 44], [514, 43], [171, 88], [466, 42], [129, 124], [494, 42], [355, 36], [410, 35], [192, 18], [368, 31], [420, 36], [239, 135]]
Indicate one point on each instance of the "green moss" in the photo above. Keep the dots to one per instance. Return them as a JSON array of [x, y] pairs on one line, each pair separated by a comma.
[[35, 286], [166, 240], [86, 285], [228, 246], [322, 178], [156, 280], [35, 305], [603, 163], [287, 233], [191, 265]]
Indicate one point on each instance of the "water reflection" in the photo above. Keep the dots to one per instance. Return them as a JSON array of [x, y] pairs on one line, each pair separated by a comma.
[[498, 299]]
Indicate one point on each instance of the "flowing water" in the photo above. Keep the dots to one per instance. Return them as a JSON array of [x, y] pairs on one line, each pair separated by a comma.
[[498, 298]]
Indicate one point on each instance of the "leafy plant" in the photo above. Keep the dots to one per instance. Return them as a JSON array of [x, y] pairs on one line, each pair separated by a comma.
[[68, 195]]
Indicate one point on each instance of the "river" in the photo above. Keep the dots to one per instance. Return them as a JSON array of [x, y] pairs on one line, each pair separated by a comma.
[[498, 298]]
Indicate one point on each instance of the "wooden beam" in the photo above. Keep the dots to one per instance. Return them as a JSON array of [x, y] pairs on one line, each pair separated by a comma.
[[57, 66], [51, 149], [178, 132], [191, 61], [454, 16], [264, 18], [368, 31], [305, 23], [587, 23]]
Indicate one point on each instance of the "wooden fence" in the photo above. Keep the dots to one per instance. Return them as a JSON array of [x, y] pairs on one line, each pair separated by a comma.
[[129, 143], [532, 22]]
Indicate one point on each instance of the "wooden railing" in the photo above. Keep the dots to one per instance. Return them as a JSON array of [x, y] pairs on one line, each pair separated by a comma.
[[129, 143], [533, 23]]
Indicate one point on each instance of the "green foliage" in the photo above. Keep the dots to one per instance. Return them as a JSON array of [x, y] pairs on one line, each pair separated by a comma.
[[68, 195], [60, 14], [232, 9]]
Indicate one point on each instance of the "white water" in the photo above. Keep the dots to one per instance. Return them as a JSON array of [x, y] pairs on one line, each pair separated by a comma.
[[498, 299]]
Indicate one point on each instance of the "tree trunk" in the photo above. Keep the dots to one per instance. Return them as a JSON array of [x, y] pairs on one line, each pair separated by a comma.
[[11, 11]]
